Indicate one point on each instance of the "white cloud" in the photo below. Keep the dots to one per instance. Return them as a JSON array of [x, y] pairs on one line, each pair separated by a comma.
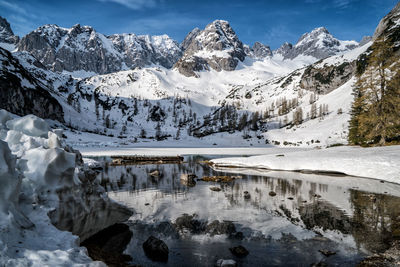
[[341, 3], [134, 4], [12, 6]]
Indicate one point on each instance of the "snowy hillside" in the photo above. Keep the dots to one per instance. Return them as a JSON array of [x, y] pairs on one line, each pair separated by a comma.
[[220, 92]]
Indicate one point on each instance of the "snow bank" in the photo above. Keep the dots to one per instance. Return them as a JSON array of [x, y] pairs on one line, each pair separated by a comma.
[[381, 163], [46, 188]]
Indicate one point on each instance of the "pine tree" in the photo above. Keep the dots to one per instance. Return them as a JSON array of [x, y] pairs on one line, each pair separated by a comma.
[[375, 111]]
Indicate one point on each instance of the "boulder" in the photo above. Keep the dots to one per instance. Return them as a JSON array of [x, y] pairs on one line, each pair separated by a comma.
[[156, 249], [239, 251]]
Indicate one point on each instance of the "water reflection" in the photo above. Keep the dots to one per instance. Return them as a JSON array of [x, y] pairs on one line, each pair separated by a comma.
[[303, 214]]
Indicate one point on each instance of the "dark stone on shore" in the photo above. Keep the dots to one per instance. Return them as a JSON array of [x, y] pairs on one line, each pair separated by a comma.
[[219, 228], [239, 251], [109, 244], [156, 249]]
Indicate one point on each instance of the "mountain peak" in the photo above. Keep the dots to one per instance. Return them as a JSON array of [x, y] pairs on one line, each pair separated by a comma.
[[6, 33], [216, 47], [318, 43]]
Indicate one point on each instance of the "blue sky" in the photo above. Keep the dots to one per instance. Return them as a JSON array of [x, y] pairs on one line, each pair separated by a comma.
[[270, 21]]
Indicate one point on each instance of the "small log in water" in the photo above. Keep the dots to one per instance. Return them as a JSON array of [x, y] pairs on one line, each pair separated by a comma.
[[133, 160]]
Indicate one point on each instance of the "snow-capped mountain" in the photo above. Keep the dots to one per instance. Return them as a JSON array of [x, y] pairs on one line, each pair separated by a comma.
[[81, 48], [6, 34], [318, 43], [216, 47], [241, 95], [258, 51]]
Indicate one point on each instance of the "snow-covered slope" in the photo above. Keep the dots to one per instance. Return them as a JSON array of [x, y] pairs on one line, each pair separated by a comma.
[[160, 103], [220, 91]]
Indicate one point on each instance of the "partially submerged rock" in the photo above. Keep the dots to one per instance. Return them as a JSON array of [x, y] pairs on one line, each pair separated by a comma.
[[216, 189], [326, 252], [188, 179], [155, 174], [156, 249], [109, 244], [239, 251], [225, 263], [220, 227], [190, 223]]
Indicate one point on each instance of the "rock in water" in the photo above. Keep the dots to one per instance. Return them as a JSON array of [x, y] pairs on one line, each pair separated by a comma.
[[246, 195], [219, 228], [109, 244], [156, 249], [327, 253], [239, 251], [225, 263], [155, 174], [188, 179], [216, 189]]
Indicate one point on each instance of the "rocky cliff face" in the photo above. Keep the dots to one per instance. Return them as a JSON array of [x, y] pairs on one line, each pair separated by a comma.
[[6, 34], [216, 47], [389, 26], [142, 50], [22, 94], [319, 43], [323, 80], [82, 48], [259, 51]]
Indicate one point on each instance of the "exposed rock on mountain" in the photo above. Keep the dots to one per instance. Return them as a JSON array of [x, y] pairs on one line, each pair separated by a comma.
[[82, 48], [389, 26], [22, 94], [189, 38], [261, 51], [325, 79], [319, 43], [284, 50], [142, 50], [216, 47], [6, 34], [365, 40]]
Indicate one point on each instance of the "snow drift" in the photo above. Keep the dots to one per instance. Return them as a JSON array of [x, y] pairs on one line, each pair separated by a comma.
[[380, 163], [45, 186]]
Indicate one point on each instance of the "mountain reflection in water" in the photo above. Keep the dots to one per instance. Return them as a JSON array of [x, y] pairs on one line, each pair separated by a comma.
[[352, 217]]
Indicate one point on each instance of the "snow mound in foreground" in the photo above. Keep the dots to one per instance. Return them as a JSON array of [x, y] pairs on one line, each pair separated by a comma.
[[45, 183], [382, 163]]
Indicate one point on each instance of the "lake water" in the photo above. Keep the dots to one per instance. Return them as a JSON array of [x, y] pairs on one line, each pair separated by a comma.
[[351, 217]]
